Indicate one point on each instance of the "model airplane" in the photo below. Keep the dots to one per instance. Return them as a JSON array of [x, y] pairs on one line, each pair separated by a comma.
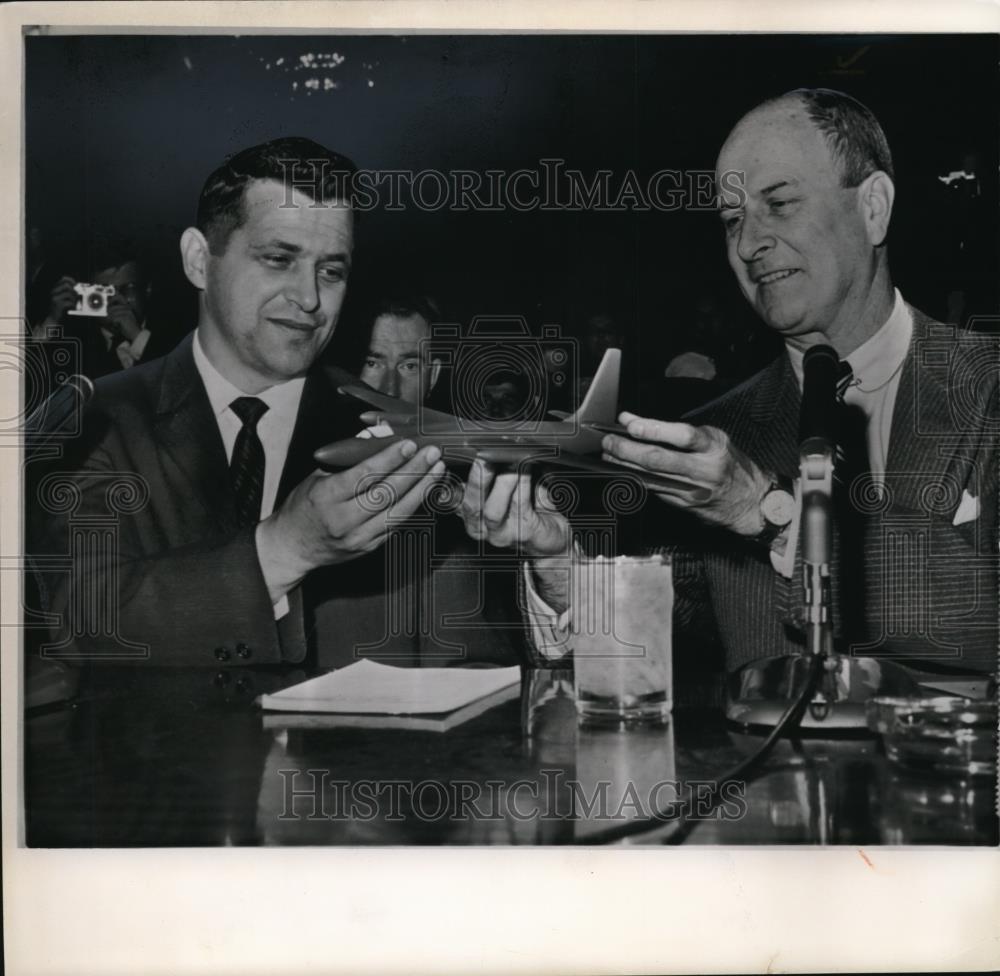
[[571, 442]]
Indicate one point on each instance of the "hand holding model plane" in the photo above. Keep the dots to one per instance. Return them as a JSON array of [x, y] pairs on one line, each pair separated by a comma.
[[695, 468]]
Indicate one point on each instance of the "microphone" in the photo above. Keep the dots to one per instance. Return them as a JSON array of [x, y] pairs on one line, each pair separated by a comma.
[[818, 420], [52, 418]]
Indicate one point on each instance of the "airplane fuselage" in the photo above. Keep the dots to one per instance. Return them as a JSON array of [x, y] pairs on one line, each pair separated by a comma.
[[546, 440]]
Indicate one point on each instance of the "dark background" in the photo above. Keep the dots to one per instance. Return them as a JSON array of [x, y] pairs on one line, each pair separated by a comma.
[[122, 131]]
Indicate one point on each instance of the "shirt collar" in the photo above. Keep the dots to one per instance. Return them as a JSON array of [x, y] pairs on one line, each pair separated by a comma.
[[877, 360], [282, 399]]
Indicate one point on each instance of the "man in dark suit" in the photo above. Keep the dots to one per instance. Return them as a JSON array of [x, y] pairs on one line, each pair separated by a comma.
[[190, 504], [806, 189]]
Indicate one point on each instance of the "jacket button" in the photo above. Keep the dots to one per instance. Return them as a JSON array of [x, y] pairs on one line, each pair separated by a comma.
[[222, 654], [243, 650], [222, 679]]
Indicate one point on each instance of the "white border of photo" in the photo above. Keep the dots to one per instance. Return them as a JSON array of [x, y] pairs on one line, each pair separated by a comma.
[[455, 910]]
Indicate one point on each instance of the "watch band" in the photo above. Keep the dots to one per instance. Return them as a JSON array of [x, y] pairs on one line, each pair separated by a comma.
[[772, 530]]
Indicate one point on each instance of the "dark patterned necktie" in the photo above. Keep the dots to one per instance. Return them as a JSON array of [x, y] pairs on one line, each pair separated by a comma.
[[246, 469]]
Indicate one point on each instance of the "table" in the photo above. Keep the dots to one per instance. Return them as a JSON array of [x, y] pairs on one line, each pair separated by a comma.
[[155, 757]]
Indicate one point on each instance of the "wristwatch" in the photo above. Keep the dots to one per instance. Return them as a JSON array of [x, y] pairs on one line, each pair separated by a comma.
[[777, 508]]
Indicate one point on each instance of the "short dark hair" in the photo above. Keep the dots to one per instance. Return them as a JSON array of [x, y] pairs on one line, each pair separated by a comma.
[[408, 306], [294, 161], [852, 132]]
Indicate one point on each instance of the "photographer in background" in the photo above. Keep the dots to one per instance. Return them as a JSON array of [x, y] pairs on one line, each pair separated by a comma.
[[122, 335]]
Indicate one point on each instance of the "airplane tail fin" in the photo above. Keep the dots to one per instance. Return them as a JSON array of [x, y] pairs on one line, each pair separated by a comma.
[[600, 405]]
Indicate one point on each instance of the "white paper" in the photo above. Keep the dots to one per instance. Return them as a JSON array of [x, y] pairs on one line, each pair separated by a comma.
[[368, 687]]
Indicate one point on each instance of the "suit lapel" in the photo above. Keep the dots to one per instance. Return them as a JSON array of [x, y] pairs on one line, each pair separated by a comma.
[[921, 395], [323, 417], [773, 436], [189, 435]]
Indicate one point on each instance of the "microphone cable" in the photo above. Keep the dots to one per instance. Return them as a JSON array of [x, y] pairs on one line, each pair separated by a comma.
[[677, 810]]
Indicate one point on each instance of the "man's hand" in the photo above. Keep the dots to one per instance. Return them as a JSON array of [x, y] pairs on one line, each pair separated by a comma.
[[503, 510], [333, 518], [121, 320], [61, 299], [703, 456]]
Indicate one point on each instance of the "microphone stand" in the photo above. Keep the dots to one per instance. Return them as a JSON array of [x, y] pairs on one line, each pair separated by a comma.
[[816, 483], [816, 461], [760, 692]]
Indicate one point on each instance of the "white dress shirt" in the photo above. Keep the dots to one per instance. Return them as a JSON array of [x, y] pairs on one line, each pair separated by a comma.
[[274, 428]]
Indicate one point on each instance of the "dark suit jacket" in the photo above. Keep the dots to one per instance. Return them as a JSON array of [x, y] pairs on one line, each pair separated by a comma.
[[161, 573], [930, 586]]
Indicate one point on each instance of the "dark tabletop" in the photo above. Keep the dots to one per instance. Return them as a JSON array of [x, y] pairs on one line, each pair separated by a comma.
[[141, 757]]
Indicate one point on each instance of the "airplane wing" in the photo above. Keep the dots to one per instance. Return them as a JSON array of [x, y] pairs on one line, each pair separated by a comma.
[[391, 406]]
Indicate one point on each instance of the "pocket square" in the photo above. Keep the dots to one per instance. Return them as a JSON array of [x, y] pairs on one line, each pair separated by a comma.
[[968, 509]]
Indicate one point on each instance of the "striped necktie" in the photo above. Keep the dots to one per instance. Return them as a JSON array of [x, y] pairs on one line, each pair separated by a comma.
[[845, 377], [246, 469]]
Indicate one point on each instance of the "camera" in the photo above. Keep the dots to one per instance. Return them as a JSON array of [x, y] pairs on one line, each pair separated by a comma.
[[92, 300]]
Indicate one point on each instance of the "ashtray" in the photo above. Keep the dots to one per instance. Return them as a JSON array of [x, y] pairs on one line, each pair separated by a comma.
[[937, 735]]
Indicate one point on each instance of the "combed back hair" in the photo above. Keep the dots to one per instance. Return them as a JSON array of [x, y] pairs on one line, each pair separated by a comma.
[[409, 306], [297, 163], [851, 130]]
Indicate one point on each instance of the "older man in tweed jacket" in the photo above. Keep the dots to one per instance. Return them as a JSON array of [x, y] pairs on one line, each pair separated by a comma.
[[806, 192]]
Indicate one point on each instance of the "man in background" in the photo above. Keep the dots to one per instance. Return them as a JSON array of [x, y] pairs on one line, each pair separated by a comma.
[[398, 361]]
